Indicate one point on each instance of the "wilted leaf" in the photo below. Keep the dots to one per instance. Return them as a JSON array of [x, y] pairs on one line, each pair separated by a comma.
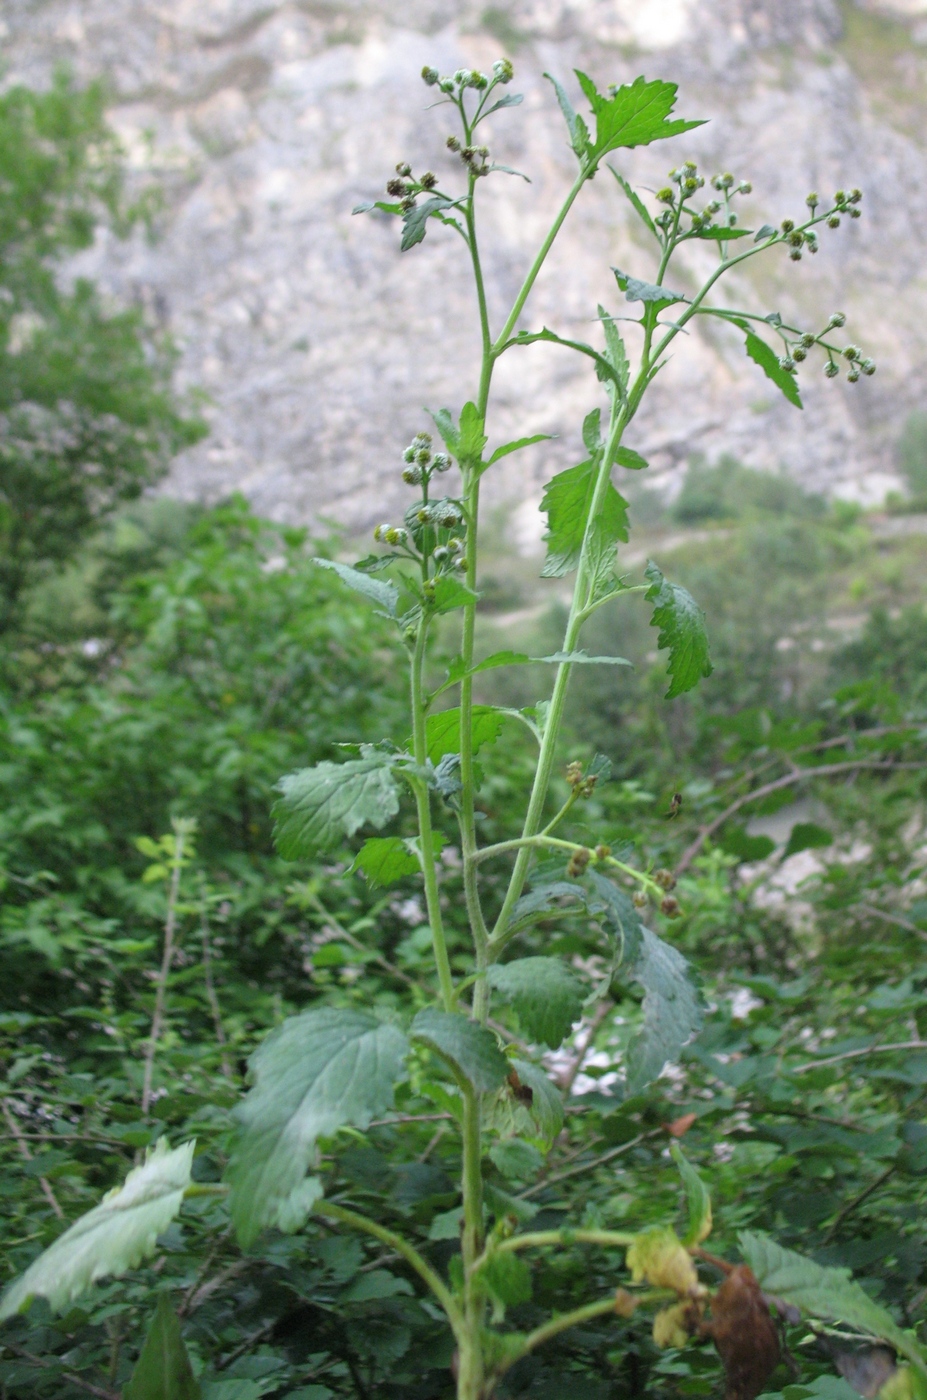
[[659, 1257], [744, 1334]]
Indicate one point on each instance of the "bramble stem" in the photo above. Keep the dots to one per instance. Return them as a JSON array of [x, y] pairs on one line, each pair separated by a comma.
[[423, 806]]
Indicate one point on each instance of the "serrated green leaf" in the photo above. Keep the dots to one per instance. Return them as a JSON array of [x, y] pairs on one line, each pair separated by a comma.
[[633, 461], [720, 235], [384, 594], [444, 422], [761, 354], [414, 221], [380, 204], [471, 434], [385, 859], [672, 1010], [567, 501], [635, 115], [320, 806], [614, 350], [603, 368], [457, 671], [442, 730], [543, 899], [507, 1279], [609, 902], [546, 1107], [469, 1049], [592, 431], [697, 1197], [546, 995], [163, 1370], [637, 204], [518, 445], [110, 1239], [682, 631], [579, 136], [323, 1070], [451, 593], [827, 1293]]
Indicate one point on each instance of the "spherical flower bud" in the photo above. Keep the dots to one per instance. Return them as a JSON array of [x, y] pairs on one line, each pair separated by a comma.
[[833, 221], [441, 554], [430, 75], [788, 225], [407, 204], [395, 187], [852, 352], [795, 255], [462, 77], [422, 440], [807, 340], [712, 207], [468, 153], [868, 367], [831, 369], [479, 81], [796, 239], [812, 199], [397, 535], [409, 454], [690, 184], [602, 852], [503, 70], [855, 196], [412, 475], [669, 905], [423, 456], [727, 180], [689, 166], [787, 363], [745, 187], [452, 143], [856, 213], [665, 879], [442, 462], [428, 180], [455, 545], [380, 531], [716, 182], [665, 196], [840, 197], [403, 168], [446, 84], [853, 375], [675, 176], [838, 319], [578, 862], [798, 354], [424, 516], [813, 247], [639, 899], [700, 181], [461, 563]]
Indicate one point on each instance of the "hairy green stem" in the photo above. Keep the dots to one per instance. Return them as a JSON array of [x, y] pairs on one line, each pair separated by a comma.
[[540, 1239], [423, 806]]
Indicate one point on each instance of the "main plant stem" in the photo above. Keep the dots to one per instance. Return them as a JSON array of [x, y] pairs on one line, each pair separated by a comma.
[[170, 928], [426, 835]]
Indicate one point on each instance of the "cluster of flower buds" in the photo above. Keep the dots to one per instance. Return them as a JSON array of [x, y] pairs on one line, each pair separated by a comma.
[[404, 186], [390, 534], [434, 525], [502, 72], [421, 462], [583, 787], [578, 862], [797, 352], [796, 239], [475, 158], [689, 180]]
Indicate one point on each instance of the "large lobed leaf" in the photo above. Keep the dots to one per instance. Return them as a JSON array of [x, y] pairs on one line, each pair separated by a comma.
[[318, 1072], [682, 631], [471, 1051], [163, 1370], [113, 1237], [567, 501], [634, 115], [546, 995], [828, 1293], [672, 1010], [320, 806]]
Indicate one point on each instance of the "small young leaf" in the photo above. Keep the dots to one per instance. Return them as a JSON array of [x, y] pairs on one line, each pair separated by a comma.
[[471, 436], [163, 1370], [720, 235], [508, 1280], [386, 594], [827, 1293], [323, 1070], [543, 899], [633, 461], [762, 355], [385, 859], [517, 446], [634, 115], [369, 205], [697, 1196], [414, 221], [469, 1049], [510, 99], [635, 290], [614, 350], [639, 207], [592, 431], [110, 1239], [579, 136], [567, 501], [767, 231], [320, 806], [451, 593], [672, 1010], [457, 671], [442, 731], [446, 426], [682, 631], [546, 995], [546, 1107]]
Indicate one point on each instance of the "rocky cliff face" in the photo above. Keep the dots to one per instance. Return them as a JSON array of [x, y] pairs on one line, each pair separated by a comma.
[[318, 343]]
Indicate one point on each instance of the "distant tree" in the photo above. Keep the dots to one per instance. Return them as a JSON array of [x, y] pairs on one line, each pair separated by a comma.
[[87, 413]]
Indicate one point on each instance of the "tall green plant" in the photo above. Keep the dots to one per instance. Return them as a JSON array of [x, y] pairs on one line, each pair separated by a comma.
[[471, 1035]]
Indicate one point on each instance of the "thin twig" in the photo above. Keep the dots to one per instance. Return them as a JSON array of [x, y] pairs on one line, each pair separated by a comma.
[[211, 994], [864, 1195], [170, 926], [23, 1146], [857, 1054], [824, 770], [568, 1078], [589, 1166], [254, 1340], [342, 932], [66, 1375], [893, 919]]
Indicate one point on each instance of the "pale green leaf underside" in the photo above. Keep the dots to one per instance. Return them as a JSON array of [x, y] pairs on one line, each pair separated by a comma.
[[320, 806], [469, 1049], [546, 995], [682, 631], [831, 1294], [697, 1198], [323, 1070], [386, 595], [110, 1239], [163, 1370], [672, 1010]]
